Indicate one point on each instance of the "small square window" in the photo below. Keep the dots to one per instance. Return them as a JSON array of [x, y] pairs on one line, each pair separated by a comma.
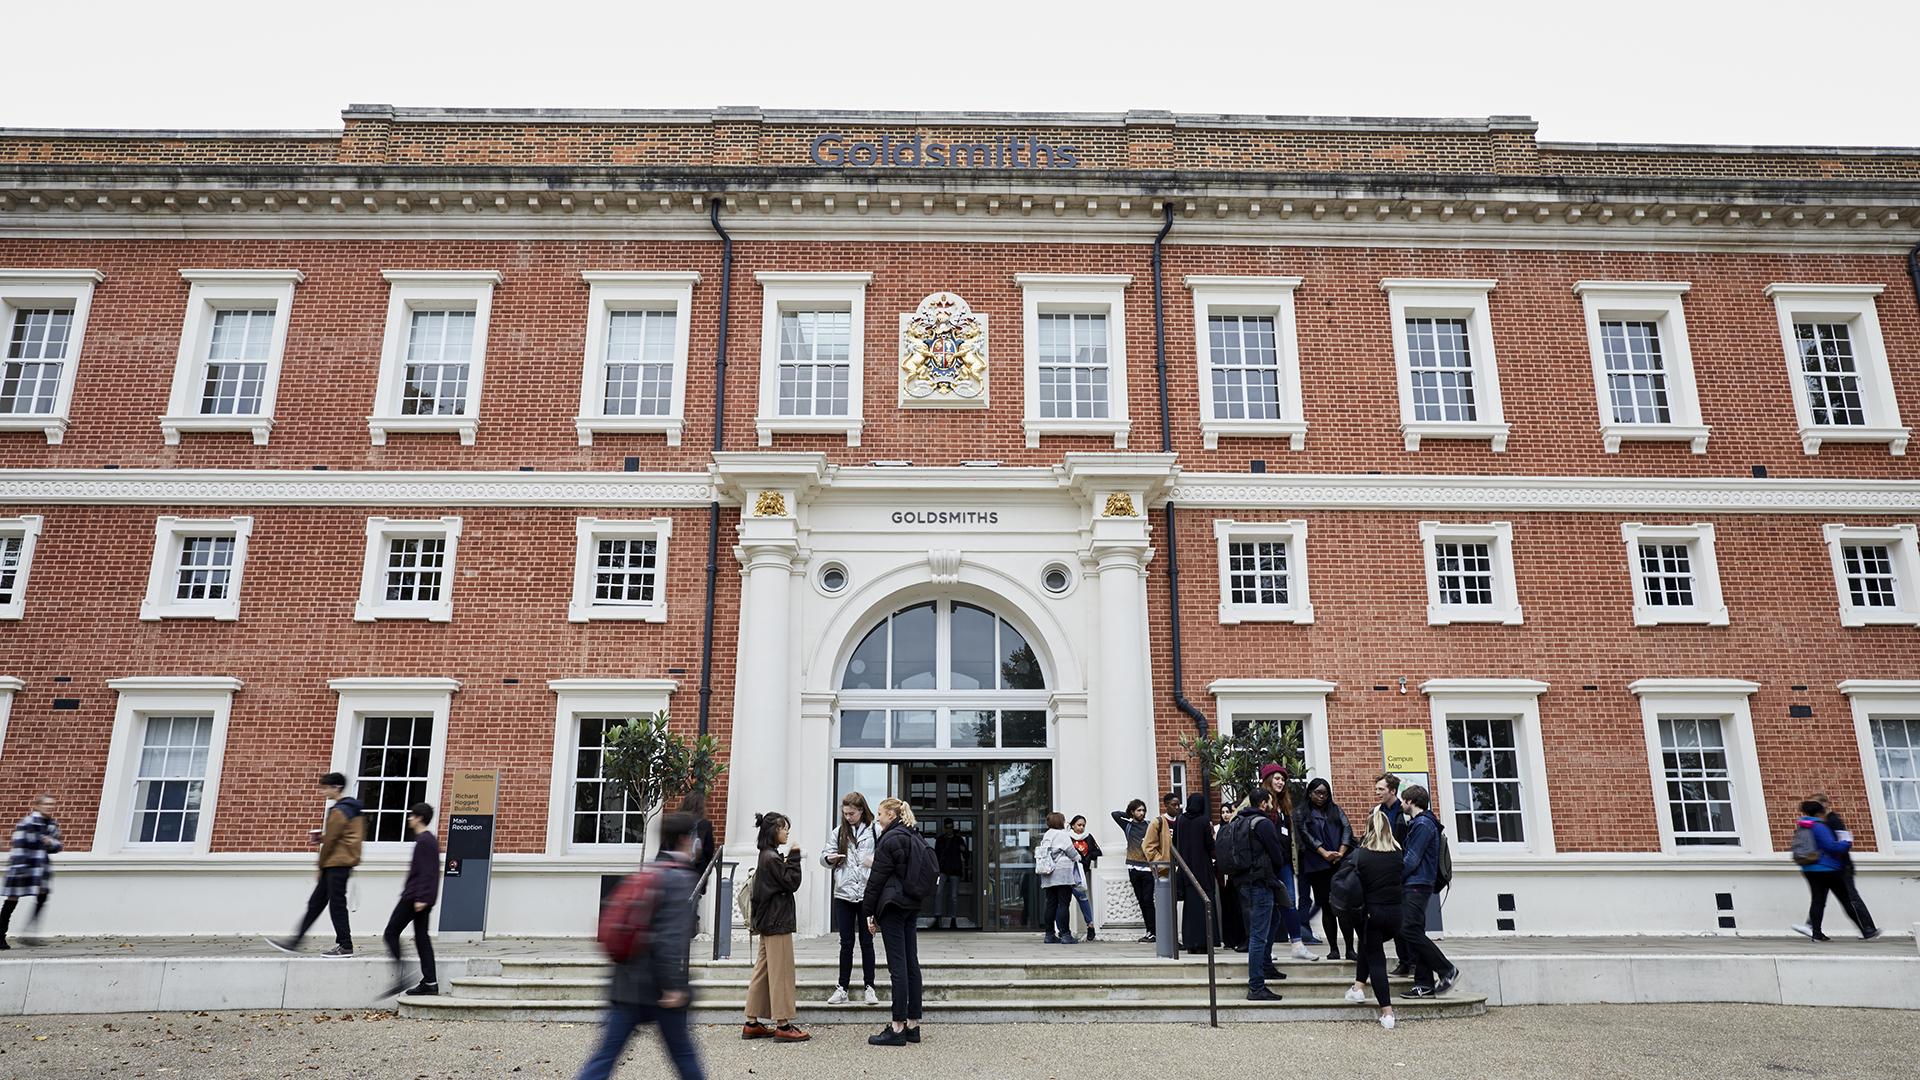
[[408, 570], [1676, 575], [1470, 574], [18, 536], [1263, 571], [620, 570], [197, 568], [1876, 572]]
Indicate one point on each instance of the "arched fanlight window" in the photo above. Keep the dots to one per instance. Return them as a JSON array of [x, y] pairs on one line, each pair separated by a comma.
[[943, 674]]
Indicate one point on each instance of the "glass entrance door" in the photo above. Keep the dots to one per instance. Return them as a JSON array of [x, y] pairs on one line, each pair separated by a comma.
[[946, 804], [1018, 795]]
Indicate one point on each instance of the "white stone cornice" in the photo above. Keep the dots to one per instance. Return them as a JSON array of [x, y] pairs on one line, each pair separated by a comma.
[[180, 684], [1304, 491], [256, 487]]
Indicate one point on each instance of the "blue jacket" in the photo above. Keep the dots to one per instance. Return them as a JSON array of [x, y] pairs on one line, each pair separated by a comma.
[[1833, 850], [1421, 863]]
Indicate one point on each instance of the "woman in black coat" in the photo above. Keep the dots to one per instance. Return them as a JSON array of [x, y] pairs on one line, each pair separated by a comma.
[[1233, 927], [1193, 839]]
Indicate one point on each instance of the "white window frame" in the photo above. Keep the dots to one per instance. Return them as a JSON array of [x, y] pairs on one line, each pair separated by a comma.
[[588, 532], [1293, 533], [357, 698], [373, 604], [1517, 700], [34, 288], [1449, 298], [213, 291], [1657, 302], [1709, 604], [1889, 699], [162, 577], [1498, 536], [9, 686], [1725, 700], [573, 699], [782, 291], [1853, 305], [430, 290], [27, 528], [1238, 702], [611, 291], [1904, 540], [1271, 297], [160, 695], [1093, 294]]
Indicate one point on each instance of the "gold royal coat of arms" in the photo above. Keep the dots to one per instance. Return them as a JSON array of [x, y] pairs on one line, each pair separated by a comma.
[[944, 353]]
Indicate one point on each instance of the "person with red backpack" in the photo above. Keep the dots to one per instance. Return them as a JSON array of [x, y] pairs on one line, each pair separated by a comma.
[[645, 928]]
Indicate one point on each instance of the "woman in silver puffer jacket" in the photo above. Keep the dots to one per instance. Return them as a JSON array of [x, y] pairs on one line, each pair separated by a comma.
[[848, 852]]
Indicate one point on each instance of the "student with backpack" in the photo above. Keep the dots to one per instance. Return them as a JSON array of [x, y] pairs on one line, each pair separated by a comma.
[[1247, 851], [1821, 855], [1425, 868], [771, 989], [903, 877], [645, 928], [1058, 866]]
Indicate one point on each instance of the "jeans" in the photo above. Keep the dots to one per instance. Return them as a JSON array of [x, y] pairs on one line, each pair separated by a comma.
[[1085, 900], [1377, 927], [1257, 902], [403, 914], [329, 894], [1840, 884], [900, 931], [949, 895], [1142, 882], [1416, 947], [1060, 911], [618, 1028], [852, 923]]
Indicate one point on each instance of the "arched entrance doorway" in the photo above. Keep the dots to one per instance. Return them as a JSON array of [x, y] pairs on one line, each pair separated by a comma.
[[944, 702]]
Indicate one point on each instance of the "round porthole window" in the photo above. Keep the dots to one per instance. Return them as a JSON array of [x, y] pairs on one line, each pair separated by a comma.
[[833, 578], [1056, 579]]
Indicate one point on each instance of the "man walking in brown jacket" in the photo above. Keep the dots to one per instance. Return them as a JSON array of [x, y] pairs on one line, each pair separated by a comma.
[[339, 845]]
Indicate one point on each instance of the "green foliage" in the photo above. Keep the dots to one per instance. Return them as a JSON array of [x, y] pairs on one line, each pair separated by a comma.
[[653, 763], [1233, 761]]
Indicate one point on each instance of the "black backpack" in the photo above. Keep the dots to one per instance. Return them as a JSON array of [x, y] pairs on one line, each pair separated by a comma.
[[1234, 853], [1348, 894], [1443, 859], [921, 874]]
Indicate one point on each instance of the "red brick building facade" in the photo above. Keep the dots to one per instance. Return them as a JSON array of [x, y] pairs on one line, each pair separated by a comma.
[[1356, 327]]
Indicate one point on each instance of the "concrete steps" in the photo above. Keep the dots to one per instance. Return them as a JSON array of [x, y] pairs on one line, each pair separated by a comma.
[[1050, 988]]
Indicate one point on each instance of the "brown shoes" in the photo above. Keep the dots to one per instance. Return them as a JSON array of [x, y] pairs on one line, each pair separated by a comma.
[[751, 1030], [789, 1033]]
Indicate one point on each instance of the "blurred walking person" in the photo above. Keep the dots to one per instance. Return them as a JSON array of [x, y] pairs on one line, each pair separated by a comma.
[[36, 839], [415, 907], [339, 843], [648, 940]]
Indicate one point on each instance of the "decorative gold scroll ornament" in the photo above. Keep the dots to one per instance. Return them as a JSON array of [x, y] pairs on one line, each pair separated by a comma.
[[945, 351], [770, 504], [1119, 504]]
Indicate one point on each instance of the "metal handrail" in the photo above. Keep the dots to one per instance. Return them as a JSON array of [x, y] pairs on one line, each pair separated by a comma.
[[1206, 898], [722, 906]]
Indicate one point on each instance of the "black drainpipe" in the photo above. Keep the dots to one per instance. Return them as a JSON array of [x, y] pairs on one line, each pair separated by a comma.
[[1173, 541], [1913, 271], [719, 443]]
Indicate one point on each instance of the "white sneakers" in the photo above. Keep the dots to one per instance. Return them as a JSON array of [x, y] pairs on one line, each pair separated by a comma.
[[1356, 995], [1301, 952], [872, 998], [840, 996], [1802, 929], [1386, 1021]]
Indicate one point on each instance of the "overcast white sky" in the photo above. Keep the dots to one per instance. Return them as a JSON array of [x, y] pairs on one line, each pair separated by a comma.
[[1625, 71]]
